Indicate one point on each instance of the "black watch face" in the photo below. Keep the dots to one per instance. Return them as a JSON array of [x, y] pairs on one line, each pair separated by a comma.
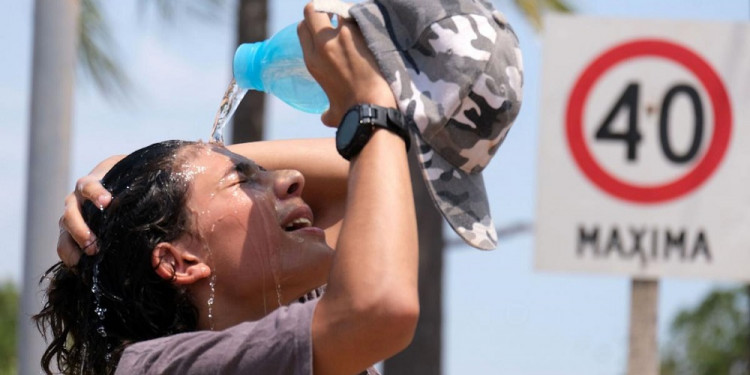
[[347, 129]]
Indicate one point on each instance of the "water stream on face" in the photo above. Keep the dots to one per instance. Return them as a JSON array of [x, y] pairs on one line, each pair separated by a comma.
[[188, 171], [268, 250], [229, 103]]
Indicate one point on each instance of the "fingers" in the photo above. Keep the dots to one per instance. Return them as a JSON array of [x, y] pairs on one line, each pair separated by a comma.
[[305, 40], [67, 249], [316, 21], [328, 118], [314, 32], [73, 226], [339, 60], [90, 188], [75, 234]]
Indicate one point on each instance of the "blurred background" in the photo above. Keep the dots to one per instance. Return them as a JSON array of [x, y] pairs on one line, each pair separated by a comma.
[[157, 70]]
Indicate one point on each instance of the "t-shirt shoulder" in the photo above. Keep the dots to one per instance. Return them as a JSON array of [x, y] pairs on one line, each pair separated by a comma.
[[279, 343]]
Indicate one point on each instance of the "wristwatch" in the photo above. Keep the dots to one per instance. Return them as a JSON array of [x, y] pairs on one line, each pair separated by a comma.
[[359, 124]]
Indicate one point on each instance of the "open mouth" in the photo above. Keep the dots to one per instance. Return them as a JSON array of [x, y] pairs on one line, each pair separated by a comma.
[[298, 223], [299, 218]]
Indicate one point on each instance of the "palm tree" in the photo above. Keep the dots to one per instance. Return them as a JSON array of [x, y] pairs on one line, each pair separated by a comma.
[[96, 60], [534, 9], [95, 54]]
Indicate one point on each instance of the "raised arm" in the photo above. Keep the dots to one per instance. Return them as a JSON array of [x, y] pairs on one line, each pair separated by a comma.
[[325, 189], [371, 307]]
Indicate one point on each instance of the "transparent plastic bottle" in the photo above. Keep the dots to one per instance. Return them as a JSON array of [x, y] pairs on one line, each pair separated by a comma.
[[276, 66]]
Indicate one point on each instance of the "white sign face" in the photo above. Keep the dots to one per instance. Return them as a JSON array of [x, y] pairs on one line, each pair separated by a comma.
[[644, 153]]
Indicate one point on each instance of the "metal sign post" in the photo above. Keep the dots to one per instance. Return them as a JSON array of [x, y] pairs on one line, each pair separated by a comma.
[[643, 349]]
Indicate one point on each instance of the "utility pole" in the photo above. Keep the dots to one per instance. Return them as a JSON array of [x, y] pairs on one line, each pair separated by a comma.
[[55, 36]]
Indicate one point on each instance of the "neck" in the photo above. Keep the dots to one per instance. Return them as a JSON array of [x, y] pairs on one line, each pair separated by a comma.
[[226, 312]]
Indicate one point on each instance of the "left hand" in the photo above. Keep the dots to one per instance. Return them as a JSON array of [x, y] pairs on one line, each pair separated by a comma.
[[338, 58], [75, 236]]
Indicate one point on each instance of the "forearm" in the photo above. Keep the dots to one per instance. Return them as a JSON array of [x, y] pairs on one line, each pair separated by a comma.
[[378, 239], [374, 273], [370, 309]]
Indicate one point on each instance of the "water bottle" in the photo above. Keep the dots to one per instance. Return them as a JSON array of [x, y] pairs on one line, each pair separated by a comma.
[[276, 66]]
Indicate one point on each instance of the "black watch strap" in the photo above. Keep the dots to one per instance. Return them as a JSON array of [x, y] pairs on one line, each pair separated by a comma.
[[359, 123], [387, 118]]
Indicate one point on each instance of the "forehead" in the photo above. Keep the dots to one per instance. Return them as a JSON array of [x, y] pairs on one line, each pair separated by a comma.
[[203, 153], [202, 161]]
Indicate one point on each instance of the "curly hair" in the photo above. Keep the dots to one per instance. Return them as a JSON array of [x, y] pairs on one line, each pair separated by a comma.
[[114, 298]]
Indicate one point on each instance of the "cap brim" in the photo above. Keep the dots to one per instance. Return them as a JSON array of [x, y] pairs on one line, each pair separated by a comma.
[[461, 197]]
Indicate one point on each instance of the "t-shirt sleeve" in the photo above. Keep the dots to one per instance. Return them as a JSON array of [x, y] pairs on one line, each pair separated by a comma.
[[280, 343]]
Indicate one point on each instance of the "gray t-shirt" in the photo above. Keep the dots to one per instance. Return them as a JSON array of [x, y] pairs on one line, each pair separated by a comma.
[[280, 343]]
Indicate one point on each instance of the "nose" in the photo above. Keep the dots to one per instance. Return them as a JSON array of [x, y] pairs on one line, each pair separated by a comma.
[[288, 183]]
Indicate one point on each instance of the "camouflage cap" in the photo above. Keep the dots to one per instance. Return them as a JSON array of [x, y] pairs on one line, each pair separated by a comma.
[[455, 68]]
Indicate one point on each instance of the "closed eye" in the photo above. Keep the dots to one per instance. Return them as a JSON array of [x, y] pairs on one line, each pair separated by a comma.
[[247, 171]]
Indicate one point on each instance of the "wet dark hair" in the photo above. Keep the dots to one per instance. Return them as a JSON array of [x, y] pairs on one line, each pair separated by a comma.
[[115, 298]]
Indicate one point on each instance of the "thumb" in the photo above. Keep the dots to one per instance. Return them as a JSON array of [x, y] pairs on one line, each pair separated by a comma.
[[329, 118]]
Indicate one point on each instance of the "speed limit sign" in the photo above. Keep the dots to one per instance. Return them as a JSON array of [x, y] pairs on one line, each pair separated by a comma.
[[643, 155], [631, 136]]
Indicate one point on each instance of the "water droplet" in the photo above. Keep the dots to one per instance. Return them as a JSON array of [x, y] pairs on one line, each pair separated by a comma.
[[278, 293], [210, 302], [96, 291]]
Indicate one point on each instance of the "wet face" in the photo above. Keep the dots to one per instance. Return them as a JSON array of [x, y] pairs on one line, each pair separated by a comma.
[[255, 231]]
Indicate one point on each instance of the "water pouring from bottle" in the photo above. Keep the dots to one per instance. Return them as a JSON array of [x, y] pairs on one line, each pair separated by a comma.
[[229, 103]]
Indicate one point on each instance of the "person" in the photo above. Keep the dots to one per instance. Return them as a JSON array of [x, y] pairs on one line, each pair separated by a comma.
[[453, 69], [198, 256]]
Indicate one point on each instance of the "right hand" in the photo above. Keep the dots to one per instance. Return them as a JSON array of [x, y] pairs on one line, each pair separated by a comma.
[[339, 59], [75, 235]]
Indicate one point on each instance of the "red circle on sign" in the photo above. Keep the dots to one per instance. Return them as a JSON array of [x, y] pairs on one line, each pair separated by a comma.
[[672, 189]]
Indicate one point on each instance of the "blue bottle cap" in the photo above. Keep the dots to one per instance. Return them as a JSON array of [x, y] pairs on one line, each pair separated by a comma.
[[246, 71]]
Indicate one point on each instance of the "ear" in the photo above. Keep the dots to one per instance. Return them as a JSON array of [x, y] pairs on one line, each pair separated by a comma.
[[177, 264]]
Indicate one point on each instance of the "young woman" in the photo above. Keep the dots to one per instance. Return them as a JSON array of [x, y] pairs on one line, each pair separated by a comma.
[[197, 255]]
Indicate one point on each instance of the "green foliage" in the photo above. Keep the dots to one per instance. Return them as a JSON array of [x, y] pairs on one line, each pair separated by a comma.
[[533, 9], [96, 46], [94, 51], [711, 338], [8, 324]]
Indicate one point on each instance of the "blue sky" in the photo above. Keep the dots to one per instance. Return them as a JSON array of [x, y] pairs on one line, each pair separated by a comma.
[[501, 316]]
